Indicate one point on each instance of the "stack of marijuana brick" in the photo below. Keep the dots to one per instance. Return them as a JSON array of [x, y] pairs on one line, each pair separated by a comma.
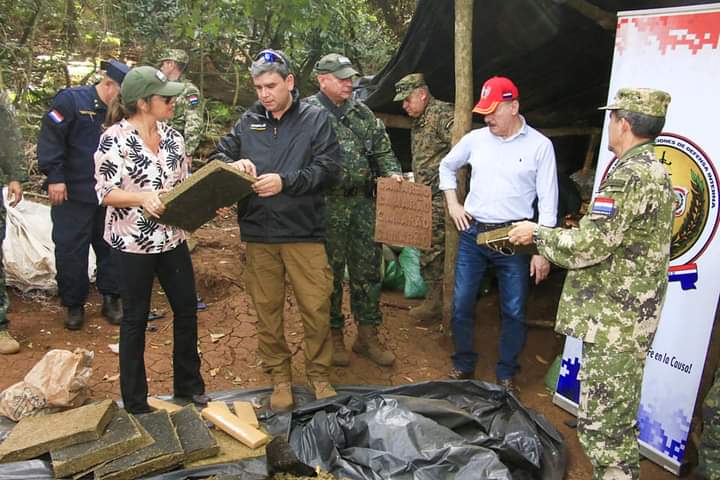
[[105, 440]]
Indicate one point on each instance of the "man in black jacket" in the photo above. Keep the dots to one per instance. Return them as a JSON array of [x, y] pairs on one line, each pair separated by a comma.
[[291, 148]]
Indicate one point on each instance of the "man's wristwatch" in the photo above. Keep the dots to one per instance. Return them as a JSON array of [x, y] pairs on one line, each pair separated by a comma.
[[535, 234]]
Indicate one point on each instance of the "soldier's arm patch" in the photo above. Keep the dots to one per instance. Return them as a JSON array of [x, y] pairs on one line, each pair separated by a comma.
[[603, 206], [193, 99], [55, 116]]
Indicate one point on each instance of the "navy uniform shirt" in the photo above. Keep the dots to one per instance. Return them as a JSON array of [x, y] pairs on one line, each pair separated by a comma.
[[68, 139]]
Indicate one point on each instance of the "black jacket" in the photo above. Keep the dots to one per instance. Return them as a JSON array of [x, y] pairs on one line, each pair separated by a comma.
[[301, 148]]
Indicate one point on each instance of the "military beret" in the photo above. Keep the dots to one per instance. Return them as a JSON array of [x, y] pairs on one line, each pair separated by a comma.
[[180, 56], [646, 101], [407, 84], [338, 65]]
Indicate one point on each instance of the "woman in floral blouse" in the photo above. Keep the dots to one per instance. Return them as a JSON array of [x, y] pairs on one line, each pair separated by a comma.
[[138, 158]]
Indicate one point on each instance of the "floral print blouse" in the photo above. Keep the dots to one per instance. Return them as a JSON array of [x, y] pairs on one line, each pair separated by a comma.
[[123, 161]]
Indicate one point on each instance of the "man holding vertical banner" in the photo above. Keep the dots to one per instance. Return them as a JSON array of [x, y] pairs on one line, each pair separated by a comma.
[[613, 295]]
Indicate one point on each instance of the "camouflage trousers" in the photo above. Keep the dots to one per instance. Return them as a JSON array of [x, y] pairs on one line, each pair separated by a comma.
[[609, 400], [4, 299], [432, 261], [709, 448], [350, 232]]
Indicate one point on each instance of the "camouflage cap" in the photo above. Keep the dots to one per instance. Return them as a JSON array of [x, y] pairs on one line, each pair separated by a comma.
[[407, 84], [338, 65], [180, 56], [646, 101]]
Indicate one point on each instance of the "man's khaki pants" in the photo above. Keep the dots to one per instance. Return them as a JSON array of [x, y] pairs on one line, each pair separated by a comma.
[[307, 268]]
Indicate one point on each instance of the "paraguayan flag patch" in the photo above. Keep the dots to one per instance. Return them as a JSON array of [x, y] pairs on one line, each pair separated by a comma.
[[193, 99], [56, 116], [603, 206]]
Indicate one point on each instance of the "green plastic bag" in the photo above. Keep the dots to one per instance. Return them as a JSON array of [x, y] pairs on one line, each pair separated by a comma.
[[394, 278], [414, 284]]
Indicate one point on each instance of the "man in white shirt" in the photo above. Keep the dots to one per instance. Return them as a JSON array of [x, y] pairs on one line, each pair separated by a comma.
[[512, 165]]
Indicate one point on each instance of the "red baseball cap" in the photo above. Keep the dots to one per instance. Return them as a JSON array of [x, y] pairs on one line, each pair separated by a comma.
[[494, 91]]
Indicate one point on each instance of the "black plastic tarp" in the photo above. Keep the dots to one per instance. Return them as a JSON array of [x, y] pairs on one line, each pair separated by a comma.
[[432, 430], [559, 58]]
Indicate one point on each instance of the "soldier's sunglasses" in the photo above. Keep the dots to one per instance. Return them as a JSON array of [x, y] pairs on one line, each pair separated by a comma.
[[269, 56], [167, 99]]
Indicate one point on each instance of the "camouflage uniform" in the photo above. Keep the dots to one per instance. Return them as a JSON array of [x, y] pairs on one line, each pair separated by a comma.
[[350, 214], [613, 294], [709, 448], [431, 140], [188, 116], [431, 137], [12, 167]]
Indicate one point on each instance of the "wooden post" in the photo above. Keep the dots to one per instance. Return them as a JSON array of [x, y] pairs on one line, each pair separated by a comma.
[[462, 125]]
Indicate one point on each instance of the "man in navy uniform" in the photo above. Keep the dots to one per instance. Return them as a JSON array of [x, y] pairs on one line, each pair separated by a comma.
[[68, 139]]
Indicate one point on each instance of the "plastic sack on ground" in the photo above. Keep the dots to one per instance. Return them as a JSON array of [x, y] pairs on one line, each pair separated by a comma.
[[28, 249], [425, 431], [59, 380], [404, 274], [415, 286]]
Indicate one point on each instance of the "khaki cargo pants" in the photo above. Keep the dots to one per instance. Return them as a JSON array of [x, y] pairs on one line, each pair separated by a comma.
[[307, 268]]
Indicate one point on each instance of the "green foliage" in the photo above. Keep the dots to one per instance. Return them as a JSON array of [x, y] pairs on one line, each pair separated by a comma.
[[39, 38]]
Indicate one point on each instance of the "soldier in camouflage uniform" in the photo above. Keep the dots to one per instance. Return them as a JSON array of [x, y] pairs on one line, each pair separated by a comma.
[[188, 119], [350, 215], [431, 139], [12, 170], [612, 298], [709, 448]]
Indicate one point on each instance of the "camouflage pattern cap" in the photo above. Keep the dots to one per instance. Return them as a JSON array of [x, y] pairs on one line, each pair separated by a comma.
[[646, 101], [338, 65], [407, 84], [180, 56]]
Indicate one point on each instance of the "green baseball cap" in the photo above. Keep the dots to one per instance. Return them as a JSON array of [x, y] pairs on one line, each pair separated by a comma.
[[175, 54], [338, 65], [646, 101], [141, 82], [407, 84]]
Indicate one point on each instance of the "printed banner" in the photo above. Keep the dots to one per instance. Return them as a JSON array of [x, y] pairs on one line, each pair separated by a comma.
[[676, 50]]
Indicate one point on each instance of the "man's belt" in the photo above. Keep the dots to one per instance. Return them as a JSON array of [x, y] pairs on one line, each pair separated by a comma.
[[495, 237]]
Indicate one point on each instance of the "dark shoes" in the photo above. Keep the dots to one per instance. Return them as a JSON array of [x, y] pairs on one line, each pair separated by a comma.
[[509, 385], [112, 309], [75, 317], [200, 400], [456, 374]]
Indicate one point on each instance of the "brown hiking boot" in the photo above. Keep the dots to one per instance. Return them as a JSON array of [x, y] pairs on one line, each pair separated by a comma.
[[281, 399], [341, 357], [321, 388], [368, 344], [8, 345], [430, 310]]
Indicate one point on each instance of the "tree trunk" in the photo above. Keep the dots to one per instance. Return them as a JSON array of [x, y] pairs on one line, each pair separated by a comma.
[[463, 123]]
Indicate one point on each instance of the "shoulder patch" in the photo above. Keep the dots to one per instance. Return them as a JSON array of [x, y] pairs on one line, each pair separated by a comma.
[[603, 206], [193, 99], [56, 117]]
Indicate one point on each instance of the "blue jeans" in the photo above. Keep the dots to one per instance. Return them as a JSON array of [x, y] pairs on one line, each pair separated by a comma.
[[513, 278]]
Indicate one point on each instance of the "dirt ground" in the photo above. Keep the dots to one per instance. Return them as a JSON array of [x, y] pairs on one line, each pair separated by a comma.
[[228, 343]]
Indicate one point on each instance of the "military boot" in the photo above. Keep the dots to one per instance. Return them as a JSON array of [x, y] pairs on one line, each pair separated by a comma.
[[112, 309], [430, 310], [8, 345], [281, 399], [341, 357], [75, 317], [368, 344], [321, 389]]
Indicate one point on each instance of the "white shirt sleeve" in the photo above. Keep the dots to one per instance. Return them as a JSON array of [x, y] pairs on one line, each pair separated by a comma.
[[457, 157], [547, 186]]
